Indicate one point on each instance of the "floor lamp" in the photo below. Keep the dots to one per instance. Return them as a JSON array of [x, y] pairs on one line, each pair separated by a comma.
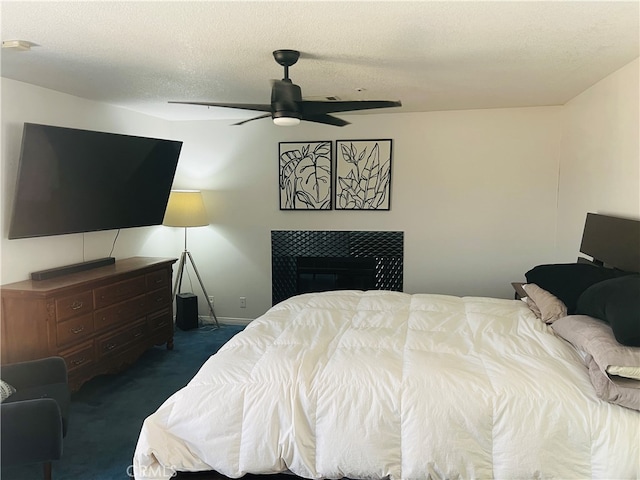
[[186, 209]]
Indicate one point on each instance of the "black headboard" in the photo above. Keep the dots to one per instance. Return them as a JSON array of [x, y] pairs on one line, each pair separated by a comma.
[[612, 241]]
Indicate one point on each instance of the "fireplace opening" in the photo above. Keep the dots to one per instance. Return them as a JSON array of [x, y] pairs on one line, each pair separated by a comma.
[[321, 274]]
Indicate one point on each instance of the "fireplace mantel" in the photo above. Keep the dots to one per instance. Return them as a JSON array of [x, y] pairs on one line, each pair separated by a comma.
[[386, 248]]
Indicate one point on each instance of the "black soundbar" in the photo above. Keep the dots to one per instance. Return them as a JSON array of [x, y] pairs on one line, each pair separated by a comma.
[[75, 268]]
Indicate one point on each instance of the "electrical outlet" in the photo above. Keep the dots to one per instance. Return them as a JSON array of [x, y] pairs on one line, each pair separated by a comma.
[[243, 302], [211, 300]]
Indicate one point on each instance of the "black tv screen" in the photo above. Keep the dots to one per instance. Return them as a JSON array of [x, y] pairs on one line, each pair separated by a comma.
[[72, 181]]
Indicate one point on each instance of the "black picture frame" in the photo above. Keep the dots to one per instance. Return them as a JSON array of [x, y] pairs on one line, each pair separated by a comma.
[[306, 175], [363, 174]]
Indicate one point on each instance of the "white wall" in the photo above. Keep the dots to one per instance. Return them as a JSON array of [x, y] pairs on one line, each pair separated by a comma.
[[474, 192], [600, 155], [477, 193]]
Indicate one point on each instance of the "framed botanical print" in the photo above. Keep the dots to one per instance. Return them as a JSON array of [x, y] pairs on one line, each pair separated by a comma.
[[305, 175], [363, 174]]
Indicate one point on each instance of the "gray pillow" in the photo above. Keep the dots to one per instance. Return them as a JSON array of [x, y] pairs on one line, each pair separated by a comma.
[[596, 338], [618, 390], [607, 360], [546, 306]]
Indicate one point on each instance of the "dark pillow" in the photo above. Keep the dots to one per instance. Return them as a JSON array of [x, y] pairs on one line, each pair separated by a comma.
[[568, 280], [616, 301]]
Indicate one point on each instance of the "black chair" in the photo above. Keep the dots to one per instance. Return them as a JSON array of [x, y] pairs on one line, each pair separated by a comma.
[[33, 420]]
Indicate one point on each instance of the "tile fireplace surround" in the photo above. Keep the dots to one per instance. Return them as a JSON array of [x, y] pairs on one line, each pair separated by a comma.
[[384, 248]]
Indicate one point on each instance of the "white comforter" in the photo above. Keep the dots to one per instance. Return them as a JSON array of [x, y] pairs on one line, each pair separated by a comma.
[[375, 384]]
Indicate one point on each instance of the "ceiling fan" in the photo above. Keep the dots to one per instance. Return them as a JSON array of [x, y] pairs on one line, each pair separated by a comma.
[[287, 107]]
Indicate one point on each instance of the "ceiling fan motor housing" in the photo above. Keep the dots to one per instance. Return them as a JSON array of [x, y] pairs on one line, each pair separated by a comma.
[[285, 100]]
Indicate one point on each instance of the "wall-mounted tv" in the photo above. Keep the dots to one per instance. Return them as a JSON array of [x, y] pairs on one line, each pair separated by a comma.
[[72, 181]]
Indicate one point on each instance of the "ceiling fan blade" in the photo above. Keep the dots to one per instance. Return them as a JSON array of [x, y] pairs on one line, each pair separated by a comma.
[[252, 119], [326, 119], [315, 108], [242, 106]]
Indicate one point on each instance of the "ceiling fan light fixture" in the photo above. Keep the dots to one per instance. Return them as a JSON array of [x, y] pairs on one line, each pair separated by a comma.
[[286, 121], [286, 115]]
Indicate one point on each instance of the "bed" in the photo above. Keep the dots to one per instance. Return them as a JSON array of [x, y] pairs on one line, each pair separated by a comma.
[[378, 384]]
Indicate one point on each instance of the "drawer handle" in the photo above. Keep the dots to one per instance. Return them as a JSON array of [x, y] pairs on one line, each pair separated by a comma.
[[76, 305], [159, 299], [161, 324], [159, 280], [77, 330], [79, 361], [137, 334], [111, 346]]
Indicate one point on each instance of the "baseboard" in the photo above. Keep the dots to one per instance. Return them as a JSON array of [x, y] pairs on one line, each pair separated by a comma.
[[207, 320]]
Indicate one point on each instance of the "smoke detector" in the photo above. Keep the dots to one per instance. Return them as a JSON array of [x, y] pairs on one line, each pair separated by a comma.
[[18, 45]]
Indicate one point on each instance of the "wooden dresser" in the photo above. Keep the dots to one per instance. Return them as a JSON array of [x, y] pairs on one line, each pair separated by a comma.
[[99, 320]]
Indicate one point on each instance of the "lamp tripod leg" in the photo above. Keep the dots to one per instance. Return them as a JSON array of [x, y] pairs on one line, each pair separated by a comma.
[[178, 283], [206, 296]]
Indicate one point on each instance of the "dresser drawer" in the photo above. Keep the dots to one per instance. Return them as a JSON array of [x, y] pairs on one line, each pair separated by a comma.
[[113, 343], [122, 312], [157, 279], [158, 299], [79, 356], [161, 320], [117, 292], [74, 330], [74, 305]]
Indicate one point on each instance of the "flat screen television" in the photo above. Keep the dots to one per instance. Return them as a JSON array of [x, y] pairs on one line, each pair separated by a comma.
[[72, 181]]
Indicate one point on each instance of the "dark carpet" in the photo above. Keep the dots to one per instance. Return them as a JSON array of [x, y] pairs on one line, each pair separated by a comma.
[[107, 412]]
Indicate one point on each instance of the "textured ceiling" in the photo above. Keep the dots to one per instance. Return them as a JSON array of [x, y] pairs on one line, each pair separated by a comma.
[[444, 55]]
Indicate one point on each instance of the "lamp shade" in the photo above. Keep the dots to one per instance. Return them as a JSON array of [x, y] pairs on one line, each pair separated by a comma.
[[185, 209]]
